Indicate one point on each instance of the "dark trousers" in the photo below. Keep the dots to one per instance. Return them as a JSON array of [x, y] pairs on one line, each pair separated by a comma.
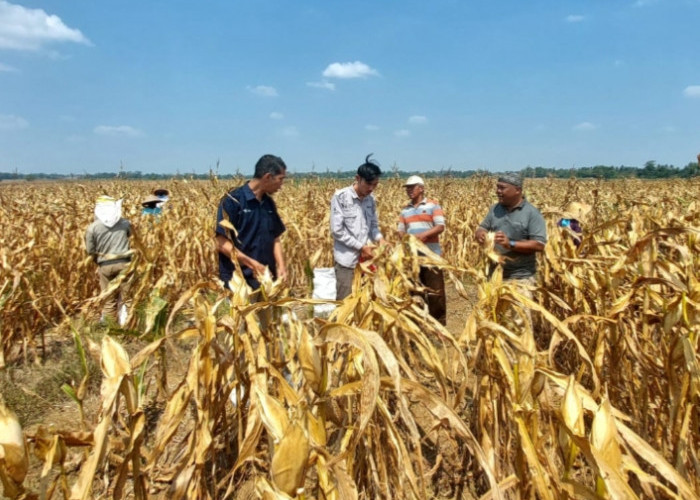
[[433, 279], [343, 281]]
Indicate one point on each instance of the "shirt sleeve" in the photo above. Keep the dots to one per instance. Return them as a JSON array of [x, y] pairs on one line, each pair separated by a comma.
[[338, 229], [278, 226], [487, 223], [228, 211], [537, 228], [438, 215]]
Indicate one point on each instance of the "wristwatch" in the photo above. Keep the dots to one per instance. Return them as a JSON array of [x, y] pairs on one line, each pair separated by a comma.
[[512, 244]]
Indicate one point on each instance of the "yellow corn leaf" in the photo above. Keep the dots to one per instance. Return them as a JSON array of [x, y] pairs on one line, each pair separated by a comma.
[[273, 415], [604, 439], [114, 359], [289, 459], [540, 478], [342, 334], [13, 452], [310, 361], [266, 491], [572, 409], [656, 460]]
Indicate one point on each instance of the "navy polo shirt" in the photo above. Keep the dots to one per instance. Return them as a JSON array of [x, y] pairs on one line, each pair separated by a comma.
[[257, 225]]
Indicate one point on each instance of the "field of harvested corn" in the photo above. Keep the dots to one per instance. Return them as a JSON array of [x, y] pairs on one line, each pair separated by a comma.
[[596, 394]]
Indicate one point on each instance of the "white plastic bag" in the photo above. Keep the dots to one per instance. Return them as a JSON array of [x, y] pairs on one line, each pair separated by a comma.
[[324, 289]]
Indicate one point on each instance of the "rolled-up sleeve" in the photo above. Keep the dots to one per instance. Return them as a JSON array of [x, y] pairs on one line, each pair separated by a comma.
[[537, 227], [487, 223]]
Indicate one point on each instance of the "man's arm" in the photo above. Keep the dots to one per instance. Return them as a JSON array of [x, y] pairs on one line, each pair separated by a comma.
[[90, 244], [226, 247], [484, 228], [520, 246], [433, 231], [279, 260]]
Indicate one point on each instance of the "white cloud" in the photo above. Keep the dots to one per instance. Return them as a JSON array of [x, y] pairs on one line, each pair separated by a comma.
[[322, 85], [290, 132], [276, 116], [7, 69], [371, 127], [263, 90], [355, 69], [117, 131], [574, 18], [692, 91], [30, 29], [12, 122], [584, 127], [402, 133], [417, 119]]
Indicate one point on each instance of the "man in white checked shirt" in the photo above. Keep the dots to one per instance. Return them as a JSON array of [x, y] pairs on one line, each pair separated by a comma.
[[424, 219]]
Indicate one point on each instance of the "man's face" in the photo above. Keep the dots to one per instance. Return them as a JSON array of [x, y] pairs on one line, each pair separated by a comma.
[[414, 192], [508, 195], [364, 188], [273, 183]]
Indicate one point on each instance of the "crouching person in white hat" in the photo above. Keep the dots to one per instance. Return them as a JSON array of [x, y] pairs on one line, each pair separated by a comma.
[[424, 219], [107, 241]]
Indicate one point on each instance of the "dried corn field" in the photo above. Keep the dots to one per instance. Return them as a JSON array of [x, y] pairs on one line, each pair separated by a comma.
[[593, 394]]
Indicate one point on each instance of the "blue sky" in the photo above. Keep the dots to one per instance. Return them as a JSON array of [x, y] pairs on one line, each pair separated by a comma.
[[174, 86]]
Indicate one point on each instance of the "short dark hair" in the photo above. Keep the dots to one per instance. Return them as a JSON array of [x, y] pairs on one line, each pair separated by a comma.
[[269, 164], [369, 170]]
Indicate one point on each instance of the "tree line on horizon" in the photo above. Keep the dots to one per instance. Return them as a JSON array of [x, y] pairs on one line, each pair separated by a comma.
[[651, 170]]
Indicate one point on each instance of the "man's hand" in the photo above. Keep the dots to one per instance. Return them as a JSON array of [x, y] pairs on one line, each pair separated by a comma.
[[282, 273], [500, 238], [257, 267], [480, 235], [367, 252]]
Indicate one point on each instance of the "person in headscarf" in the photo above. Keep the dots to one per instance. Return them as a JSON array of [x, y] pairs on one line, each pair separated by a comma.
[[572, 219], [151, 205], [107, 241]]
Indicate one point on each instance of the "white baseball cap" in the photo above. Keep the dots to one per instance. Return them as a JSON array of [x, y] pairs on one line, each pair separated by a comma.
[[414, 179]]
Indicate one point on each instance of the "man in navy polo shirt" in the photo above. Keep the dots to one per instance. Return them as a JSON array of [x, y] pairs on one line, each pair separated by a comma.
[[251, 210]]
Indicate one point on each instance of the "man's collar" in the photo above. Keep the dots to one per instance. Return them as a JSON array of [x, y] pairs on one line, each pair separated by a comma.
[[354, 192], [516, 207], [422, 202], [249, 194]]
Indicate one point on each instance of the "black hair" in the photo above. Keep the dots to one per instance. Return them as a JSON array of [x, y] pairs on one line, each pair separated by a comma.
[[269, 164], [369, 170]]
